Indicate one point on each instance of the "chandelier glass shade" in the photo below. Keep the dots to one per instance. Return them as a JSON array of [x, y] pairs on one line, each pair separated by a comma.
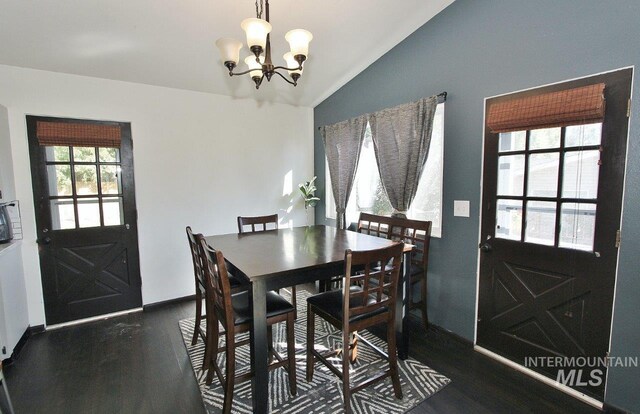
[[259, 63]]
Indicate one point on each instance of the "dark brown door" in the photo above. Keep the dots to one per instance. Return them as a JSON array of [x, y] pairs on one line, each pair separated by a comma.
[[551, 212], [86, 216]]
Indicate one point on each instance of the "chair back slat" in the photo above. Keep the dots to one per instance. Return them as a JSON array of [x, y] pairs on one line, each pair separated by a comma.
[[196, 259], [415, 232], [257, 223], [383, 265], [217, 285]]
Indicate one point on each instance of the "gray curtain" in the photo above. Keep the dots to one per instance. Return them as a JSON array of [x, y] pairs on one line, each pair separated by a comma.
[[401, 138], [342, 143]]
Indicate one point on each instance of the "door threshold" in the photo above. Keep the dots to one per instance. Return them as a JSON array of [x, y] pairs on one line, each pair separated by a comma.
[[91, 319], [567, 390]]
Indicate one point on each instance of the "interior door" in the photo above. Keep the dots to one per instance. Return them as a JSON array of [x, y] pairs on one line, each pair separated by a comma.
[[86, 216], [552, 203]]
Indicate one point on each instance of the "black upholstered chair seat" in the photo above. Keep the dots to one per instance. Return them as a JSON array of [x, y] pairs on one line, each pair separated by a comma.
[[276, 305], [331, 303]]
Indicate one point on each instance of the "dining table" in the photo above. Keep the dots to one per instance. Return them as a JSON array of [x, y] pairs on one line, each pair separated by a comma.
[[281, 258]]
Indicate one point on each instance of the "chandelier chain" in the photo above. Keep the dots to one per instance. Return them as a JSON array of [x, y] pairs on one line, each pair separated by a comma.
[[259, 10]]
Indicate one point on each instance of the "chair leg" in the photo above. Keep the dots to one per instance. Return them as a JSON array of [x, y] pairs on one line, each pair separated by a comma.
[[294, 302], [393, 359], [291, 354], [353, 346], [423, 298], [270, 343], [196, 327], [230, 371], [311, 325], [211, 349], [346, 361], [209, 337]]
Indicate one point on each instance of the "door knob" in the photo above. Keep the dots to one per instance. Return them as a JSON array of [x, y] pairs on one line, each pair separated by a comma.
[[46, 240], [485, 247]]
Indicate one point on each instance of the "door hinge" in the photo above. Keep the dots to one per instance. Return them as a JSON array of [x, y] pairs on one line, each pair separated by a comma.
[[618, 239], [629, 108]]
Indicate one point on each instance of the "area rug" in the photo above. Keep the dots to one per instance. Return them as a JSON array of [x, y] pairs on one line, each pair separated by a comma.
[[324, 393]]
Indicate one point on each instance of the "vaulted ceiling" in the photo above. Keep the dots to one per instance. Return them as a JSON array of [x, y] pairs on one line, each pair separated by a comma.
[[171, 42]]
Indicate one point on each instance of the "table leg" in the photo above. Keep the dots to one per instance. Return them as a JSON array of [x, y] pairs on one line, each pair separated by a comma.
[[259, 349], [403, 303]]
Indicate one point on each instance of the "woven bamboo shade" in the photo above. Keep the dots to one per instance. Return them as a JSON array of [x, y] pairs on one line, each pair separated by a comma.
[[78, 134], [569, 107]]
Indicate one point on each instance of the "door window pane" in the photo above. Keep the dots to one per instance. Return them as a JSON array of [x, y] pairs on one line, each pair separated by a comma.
[[110, 179], [113, 212], [509, 219], [86, 179], [513, 141], [583, 135], [84, 154], [577, 226], [62, 215], [543, 175], [109, 154], [580, 175], [511, 175], [59, 177], [88, 212], [55, 153], [544, 138], [541, 222]]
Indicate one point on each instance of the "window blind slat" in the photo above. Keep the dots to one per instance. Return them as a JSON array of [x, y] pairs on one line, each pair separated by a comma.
[[563, 108], [78, 134]]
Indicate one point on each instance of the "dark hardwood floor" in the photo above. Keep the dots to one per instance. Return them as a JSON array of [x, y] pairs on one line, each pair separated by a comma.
[[138, 364]]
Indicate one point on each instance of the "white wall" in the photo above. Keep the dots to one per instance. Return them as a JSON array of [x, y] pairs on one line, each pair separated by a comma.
[[200, 160]]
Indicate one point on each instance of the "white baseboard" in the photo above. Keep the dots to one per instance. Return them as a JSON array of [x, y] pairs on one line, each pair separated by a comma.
[[92, 319], [567, 390]]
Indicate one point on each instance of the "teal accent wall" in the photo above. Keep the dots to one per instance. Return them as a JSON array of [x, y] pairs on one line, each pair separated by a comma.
[[477, 49]]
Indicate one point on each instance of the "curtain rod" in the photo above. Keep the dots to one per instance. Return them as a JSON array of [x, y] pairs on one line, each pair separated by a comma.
[[442, 97]]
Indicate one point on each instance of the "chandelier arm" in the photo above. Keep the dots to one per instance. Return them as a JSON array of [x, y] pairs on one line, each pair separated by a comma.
[[283, 77], [286, 68], [240, 73]]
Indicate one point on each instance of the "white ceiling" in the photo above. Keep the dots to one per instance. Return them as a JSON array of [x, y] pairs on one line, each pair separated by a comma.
[[171, 42]]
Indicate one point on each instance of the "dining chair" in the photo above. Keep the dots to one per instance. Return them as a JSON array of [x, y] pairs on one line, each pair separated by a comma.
[[5, 407], [415, 232], [199, 277], [263, 223], [359, 305], [234, 312]]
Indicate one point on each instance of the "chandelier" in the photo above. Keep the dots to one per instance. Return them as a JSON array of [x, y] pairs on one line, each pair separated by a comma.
[[258, 40]]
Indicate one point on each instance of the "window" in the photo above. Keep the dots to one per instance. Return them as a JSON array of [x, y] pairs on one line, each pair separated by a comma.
[[369, 196], [85, 186], [548, 185]]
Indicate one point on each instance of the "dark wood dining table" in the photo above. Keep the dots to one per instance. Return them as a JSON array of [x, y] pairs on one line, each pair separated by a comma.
[[285, 257]]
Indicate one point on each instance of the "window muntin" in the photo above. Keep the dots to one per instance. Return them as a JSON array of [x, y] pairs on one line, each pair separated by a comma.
[[560, 169], [85, 187], [368, 194]]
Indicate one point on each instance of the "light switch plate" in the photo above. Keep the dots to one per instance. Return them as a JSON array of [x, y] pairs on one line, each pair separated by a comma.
[[461, 208]]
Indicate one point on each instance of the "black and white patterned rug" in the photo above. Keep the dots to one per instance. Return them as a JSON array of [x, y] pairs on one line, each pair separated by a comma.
[[324, 393]]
